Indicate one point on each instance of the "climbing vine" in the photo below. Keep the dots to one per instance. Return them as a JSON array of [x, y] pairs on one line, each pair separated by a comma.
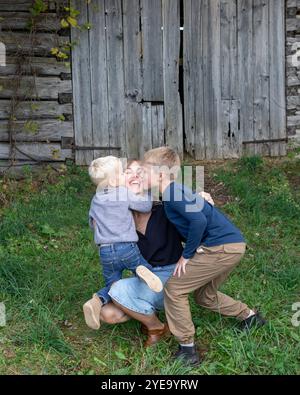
[[25, 88]]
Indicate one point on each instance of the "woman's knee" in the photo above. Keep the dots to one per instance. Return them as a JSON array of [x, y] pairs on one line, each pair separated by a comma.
[[111, 314]]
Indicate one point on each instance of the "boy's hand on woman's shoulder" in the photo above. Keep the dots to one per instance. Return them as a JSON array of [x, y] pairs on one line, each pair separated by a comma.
[[180, 267], [207, 196]]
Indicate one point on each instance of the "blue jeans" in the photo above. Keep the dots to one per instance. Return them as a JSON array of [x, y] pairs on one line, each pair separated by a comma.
[[115, 258], [137, 296]]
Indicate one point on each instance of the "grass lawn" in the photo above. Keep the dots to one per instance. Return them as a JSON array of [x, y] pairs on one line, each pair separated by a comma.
[[49, 268]]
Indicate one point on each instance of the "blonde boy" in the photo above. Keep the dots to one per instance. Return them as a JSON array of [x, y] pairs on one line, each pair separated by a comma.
[[111, 219], [213, 248]]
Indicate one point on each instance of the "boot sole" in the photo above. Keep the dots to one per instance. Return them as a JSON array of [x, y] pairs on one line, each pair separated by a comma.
[[150, 278], [89, 316]]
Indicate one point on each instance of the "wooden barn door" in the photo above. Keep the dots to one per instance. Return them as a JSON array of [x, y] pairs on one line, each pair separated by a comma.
[[234, 78], [126, 78]]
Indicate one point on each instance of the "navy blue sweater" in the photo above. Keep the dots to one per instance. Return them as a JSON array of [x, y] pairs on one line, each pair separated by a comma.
[[161, 243], [198, 221]]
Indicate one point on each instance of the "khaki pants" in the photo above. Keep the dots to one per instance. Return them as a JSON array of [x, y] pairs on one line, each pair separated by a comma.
[[205, 272]]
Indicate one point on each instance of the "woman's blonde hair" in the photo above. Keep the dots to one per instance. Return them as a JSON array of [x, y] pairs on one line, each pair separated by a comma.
[[102, 169]]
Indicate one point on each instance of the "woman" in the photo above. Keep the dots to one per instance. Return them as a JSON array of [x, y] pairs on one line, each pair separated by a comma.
[[161, 245]]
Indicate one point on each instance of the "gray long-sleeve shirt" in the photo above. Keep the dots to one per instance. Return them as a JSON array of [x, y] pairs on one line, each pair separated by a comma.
[[111, 210]]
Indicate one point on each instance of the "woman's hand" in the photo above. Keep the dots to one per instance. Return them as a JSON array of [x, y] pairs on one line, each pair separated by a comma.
[[180, 266], [207, 196]]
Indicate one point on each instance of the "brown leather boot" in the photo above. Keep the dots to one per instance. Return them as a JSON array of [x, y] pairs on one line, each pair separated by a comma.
[[144, 329], [155, 335]]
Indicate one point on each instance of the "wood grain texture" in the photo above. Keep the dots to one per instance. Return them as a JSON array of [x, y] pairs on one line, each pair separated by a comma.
[[36, 110], [212, 78], [36, 152], [171, 53], [132, 50], [277, 73], [99, 87], [229, 51], [246, 77], [158, 126], [261, 81], [16, 5], [39, 66], [115, 82], [134, 128], [152, 47], [47, 22], [46, 88], [146, 140], [82, 89], [39, 44], [41, 130]]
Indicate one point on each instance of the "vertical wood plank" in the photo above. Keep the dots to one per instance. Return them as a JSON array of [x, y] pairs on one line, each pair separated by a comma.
[[229, 61], [193, 79], [225, 51], [188, 74], [235, 141], [152, 50], [82, 88], [171, 53], [277, 76], [207, 76], [115, 63], [158, 127], [245, 48], [134, 129], [146, 141], [132, 50], [226, 127], [212, 92], [232, 141], [261, 68], [98, 64], [198, 78]]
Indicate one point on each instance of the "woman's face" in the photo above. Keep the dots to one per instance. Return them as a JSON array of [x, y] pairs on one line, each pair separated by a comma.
[[134, 177]]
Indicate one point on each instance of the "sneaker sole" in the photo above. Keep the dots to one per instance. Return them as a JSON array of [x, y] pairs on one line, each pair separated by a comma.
[[254, 327], [90, 318], [186, 362], [150, 279]]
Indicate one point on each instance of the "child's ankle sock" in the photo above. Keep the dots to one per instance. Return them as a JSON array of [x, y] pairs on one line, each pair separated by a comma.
[[187, 345], [251, 313]]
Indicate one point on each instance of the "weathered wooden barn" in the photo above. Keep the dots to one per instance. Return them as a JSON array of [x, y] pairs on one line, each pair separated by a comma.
[[213, 78]]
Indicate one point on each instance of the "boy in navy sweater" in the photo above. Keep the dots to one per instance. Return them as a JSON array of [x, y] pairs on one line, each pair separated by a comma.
[[213, 247]]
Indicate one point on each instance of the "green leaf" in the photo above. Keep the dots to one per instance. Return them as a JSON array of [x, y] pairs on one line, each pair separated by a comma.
[[295, 336], [31, 127], [61, 118], [120, 355], [99, 362], [47, 230], [64, 23], [72, 21]]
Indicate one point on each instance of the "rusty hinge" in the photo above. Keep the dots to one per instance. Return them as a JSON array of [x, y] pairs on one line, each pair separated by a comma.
[[68, 143]]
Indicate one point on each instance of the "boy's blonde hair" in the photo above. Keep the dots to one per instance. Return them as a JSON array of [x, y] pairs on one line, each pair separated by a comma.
[[163, 157], [101, 170]]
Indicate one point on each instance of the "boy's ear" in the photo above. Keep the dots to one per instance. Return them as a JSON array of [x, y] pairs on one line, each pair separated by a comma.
[[112, 182]]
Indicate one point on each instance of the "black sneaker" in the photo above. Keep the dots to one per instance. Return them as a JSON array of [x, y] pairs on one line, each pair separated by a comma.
[[255, 321], [188, 355]]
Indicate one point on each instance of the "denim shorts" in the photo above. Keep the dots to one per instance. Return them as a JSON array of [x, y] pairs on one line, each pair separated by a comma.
[[135, 295]]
